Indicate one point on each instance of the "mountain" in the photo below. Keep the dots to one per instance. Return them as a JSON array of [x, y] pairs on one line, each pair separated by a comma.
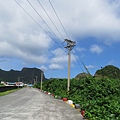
[[26, 75], [109, 71], [82, 75]]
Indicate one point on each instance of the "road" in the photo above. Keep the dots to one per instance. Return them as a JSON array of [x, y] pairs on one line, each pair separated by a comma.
[[31, 104]]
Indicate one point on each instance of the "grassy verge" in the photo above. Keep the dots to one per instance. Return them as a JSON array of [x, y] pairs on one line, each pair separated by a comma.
[[8, 92], [1, 85]]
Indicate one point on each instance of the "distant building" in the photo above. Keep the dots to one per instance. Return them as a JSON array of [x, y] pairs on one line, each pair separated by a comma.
[[10, 84], [21, 84]]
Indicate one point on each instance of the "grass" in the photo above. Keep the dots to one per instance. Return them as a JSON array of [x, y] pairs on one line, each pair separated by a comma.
[[8, 92]]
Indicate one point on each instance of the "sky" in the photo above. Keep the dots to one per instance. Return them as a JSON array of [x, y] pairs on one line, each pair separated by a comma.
[[33, 33]]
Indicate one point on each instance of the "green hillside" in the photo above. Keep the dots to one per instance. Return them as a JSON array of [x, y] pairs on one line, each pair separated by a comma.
[[109, 71]]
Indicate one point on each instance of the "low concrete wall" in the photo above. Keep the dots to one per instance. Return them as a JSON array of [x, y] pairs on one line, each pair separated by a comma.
[[5, 88]]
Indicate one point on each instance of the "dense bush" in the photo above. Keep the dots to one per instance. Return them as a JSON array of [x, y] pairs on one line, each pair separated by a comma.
[[99, 97]]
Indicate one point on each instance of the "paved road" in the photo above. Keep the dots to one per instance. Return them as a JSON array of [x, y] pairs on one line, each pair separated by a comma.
[[31, 104]]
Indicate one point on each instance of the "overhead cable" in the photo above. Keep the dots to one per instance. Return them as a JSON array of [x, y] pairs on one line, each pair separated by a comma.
[[36, 22], [78, 62], [50, 18], [65, 32], [58, 18], [43, 20]]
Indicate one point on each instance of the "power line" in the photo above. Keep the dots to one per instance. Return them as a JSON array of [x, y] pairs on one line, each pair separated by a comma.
[[50, 18], [63, 29], [84, 66], [30, 15], [58, 18], [78, 62], [52, 58], [43, 20], [35, 21], [67, 36], [38, 25]]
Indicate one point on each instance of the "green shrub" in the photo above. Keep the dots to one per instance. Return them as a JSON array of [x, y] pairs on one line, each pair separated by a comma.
[[99, 97]]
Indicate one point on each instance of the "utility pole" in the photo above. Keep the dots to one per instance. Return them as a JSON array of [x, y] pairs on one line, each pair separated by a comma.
[[41, 78], [18, 81], [36, 79], [70, 45]]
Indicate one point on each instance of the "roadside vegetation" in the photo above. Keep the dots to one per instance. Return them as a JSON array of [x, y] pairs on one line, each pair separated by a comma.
[[1, 85], [99, 97], [8, 92]]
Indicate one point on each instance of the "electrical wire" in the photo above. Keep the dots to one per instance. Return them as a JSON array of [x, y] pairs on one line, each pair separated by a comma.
[[50, 19], [78, 62], [44, 21], [58, 18], [84, 65], [30, 16], [46, 24], [63, 29], [39, 26], [36, 22], [66, 33]]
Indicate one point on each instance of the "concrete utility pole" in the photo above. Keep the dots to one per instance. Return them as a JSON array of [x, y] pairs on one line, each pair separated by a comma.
[[36, 79], [41, 79], [70, 45], [18, 81]]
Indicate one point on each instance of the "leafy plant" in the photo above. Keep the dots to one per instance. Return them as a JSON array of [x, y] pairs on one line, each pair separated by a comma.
[[100, 97]]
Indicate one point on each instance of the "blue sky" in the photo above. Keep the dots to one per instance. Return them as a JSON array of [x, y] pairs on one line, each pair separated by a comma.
[[93, 24]]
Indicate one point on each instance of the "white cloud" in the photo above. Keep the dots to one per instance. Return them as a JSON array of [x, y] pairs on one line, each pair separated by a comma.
[[60, 56], [80, 49], [44, 68], [90, 66], [97, 18], [96, 49], [20, 36], [60, 59], [56, 66]]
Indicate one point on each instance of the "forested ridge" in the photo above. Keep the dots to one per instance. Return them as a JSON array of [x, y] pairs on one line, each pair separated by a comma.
[[26, 75]]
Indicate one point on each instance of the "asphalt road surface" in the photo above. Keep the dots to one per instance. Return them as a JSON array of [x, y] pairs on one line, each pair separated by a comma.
[[31, 104]]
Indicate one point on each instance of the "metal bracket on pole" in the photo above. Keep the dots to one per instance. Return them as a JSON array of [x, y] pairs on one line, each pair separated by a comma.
[[70, 44]]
